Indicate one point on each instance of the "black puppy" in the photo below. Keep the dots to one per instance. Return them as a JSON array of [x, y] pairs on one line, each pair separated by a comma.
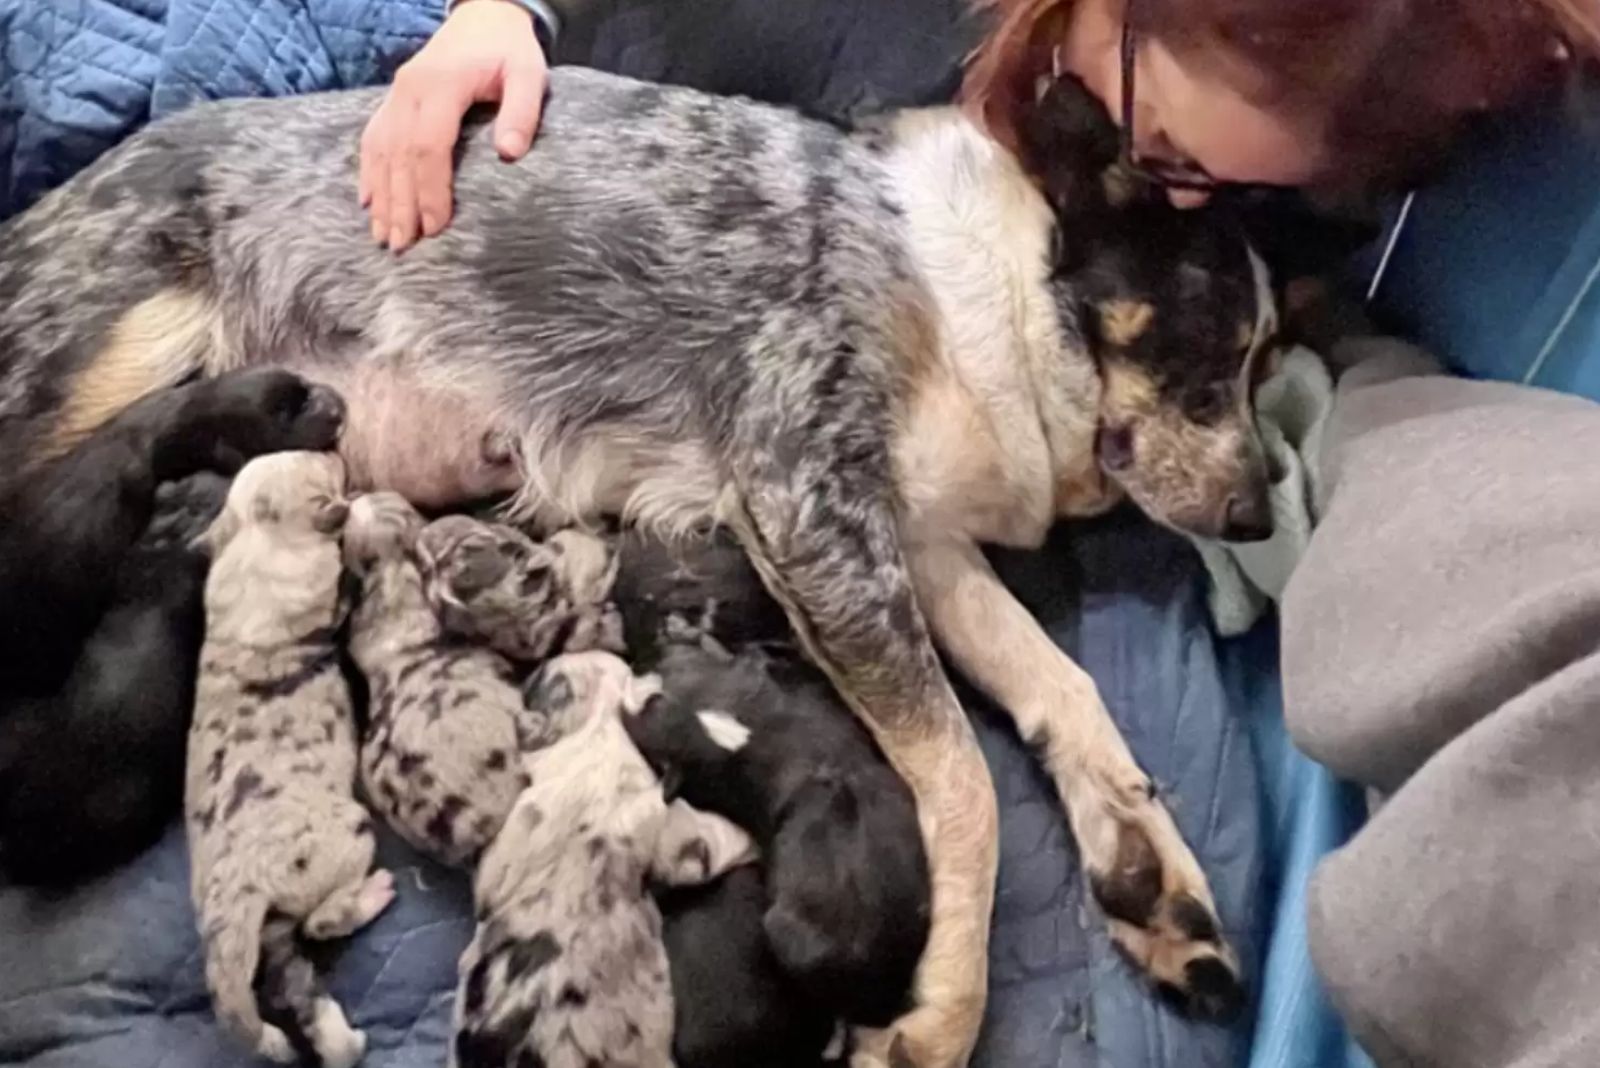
[[66, 527], [92, 774], [733, 1004], [759, 736]]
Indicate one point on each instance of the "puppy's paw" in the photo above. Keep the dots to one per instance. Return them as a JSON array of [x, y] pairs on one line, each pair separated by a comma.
[[351, 908], [336, 1042], [274, 1046], [1157, 904]]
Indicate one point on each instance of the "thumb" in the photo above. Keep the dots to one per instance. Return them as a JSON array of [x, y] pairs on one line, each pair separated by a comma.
[[521, 101]]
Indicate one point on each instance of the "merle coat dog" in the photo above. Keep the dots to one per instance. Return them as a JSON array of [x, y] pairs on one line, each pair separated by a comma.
[[866, 353]]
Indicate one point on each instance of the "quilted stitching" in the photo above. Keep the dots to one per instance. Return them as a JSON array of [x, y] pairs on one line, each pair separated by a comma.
[[77, 76]]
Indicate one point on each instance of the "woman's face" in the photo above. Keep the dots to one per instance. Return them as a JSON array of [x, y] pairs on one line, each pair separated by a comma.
[[1182, 114]]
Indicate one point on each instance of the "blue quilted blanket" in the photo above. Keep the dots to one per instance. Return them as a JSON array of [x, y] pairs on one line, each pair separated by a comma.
[[76, 76], [108, 976]]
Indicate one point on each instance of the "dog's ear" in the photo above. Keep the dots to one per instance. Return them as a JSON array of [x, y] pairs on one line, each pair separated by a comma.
[[330, 515], [1070, 143]]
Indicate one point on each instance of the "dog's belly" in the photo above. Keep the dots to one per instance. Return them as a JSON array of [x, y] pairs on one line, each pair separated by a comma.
[[435, 446]]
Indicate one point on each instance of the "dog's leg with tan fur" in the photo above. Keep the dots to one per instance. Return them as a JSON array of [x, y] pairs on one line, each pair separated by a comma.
[[826, 542], [1147, 881]]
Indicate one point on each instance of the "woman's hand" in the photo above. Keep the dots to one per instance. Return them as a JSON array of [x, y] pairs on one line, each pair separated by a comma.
[[486, 51]]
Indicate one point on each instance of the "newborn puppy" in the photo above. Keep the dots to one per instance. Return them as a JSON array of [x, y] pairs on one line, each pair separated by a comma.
[[763, 740], [528, 600], [91, 774], [566, 968], [446, 722], [734, 1005], [276, 839], [65, 527]]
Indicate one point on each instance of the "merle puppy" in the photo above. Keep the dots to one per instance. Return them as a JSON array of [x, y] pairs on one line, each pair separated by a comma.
[[566, 967], [66, 527], [91, 774], [525, 599], [759, 736], [277, 843], [446, 725]]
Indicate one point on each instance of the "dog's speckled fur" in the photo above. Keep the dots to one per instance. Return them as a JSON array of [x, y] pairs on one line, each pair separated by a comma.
[[441, 758], [566, 967], [526, 599], [275, 833], [859, 351]]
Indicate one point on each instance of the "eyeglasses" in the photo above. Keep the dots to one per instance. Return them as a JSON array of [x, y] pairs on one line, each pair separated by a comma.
[[1166, 173]]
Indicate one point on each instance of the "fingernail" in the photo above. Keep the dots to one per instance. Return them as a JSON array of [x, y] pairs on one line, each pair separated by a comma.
[[430, 225], [397, 241], [377, 231]]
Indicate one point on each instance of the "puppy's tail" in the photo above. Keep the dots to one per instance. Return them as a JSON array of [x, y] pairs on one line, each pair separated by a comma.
[[293, 999], [233, 953]]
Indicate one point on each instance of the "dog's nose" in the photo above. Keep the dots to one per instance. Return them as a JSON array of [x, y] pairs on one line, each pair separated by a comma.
[[1248, 517]]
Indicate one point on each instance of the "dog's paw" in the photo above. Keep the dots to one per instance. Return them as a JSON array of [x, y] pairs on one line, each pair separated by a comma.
[[1157, 904], [924, 1038]]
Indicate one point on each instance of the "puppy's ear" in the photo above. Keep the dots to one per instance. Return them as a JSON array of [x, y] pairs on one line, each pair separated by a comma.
[[330, 516], [800, 945], [216, 537]]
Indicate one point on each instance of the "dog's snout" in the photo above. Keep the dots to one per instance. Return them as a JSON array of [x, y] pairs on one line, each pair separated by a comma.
[[1248, 517]]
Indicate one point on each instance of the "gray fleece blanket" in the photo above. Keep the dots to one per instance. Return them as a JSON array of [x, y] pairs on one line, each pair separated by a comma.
[[1441, 644]]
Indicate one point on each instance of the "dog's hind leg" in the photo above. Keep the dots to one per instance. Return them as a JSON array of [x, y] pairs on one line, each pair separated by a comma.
[[818, 517], [1148, 883]]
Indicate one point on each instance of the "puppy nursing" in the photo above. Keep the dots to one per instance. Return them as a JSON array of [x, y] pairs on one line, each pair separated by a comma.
[[567, 967], [276, 836], [446, 726]]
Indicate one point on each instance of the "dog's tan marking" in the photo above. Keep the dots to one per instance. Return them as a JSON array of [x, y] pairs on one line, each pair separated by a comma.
[[1245, 337], [1128, 389], [156, 343], [1122, 322]]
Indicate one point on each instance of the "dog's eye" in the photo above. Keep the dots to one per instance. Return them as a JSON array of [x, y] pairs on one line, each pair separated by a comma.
[[1207, 404]]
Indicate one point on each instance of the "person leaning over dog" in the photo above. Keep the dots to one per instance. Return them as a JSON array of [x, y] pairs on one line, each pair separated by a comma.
[[1321, 95]]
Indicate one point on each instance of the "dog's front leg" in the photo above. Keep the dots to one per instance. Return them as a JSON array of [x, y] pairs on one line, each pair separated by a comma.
[[1140, 870], [825, 538]]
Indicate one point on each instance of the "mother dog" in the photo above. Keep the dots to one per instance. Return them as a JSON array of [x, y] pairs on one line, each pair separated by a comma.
[[854, 349]]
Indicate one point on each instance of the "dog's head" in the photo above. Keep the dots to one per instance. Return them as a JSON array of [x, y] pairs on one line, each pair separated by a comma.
[[294, 493], [1180, 316], [1182, 321], [226, 421], [572, 689], [526, 599], [382, 527]]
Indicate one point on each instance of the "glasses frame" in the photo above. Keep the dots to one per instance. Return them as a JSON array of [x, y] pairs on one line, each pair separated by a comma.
[[1168, 175]]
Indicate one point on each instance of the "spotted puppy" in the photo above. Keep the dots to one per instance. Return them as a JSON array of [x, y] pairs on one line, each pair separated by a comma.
[[440, 759], [567, 968], [526, 599], [277, 841]]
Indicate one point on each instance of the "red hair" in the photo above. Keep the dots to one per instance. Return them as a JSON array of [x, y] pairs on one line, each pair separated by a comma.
[[1387, 82]]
